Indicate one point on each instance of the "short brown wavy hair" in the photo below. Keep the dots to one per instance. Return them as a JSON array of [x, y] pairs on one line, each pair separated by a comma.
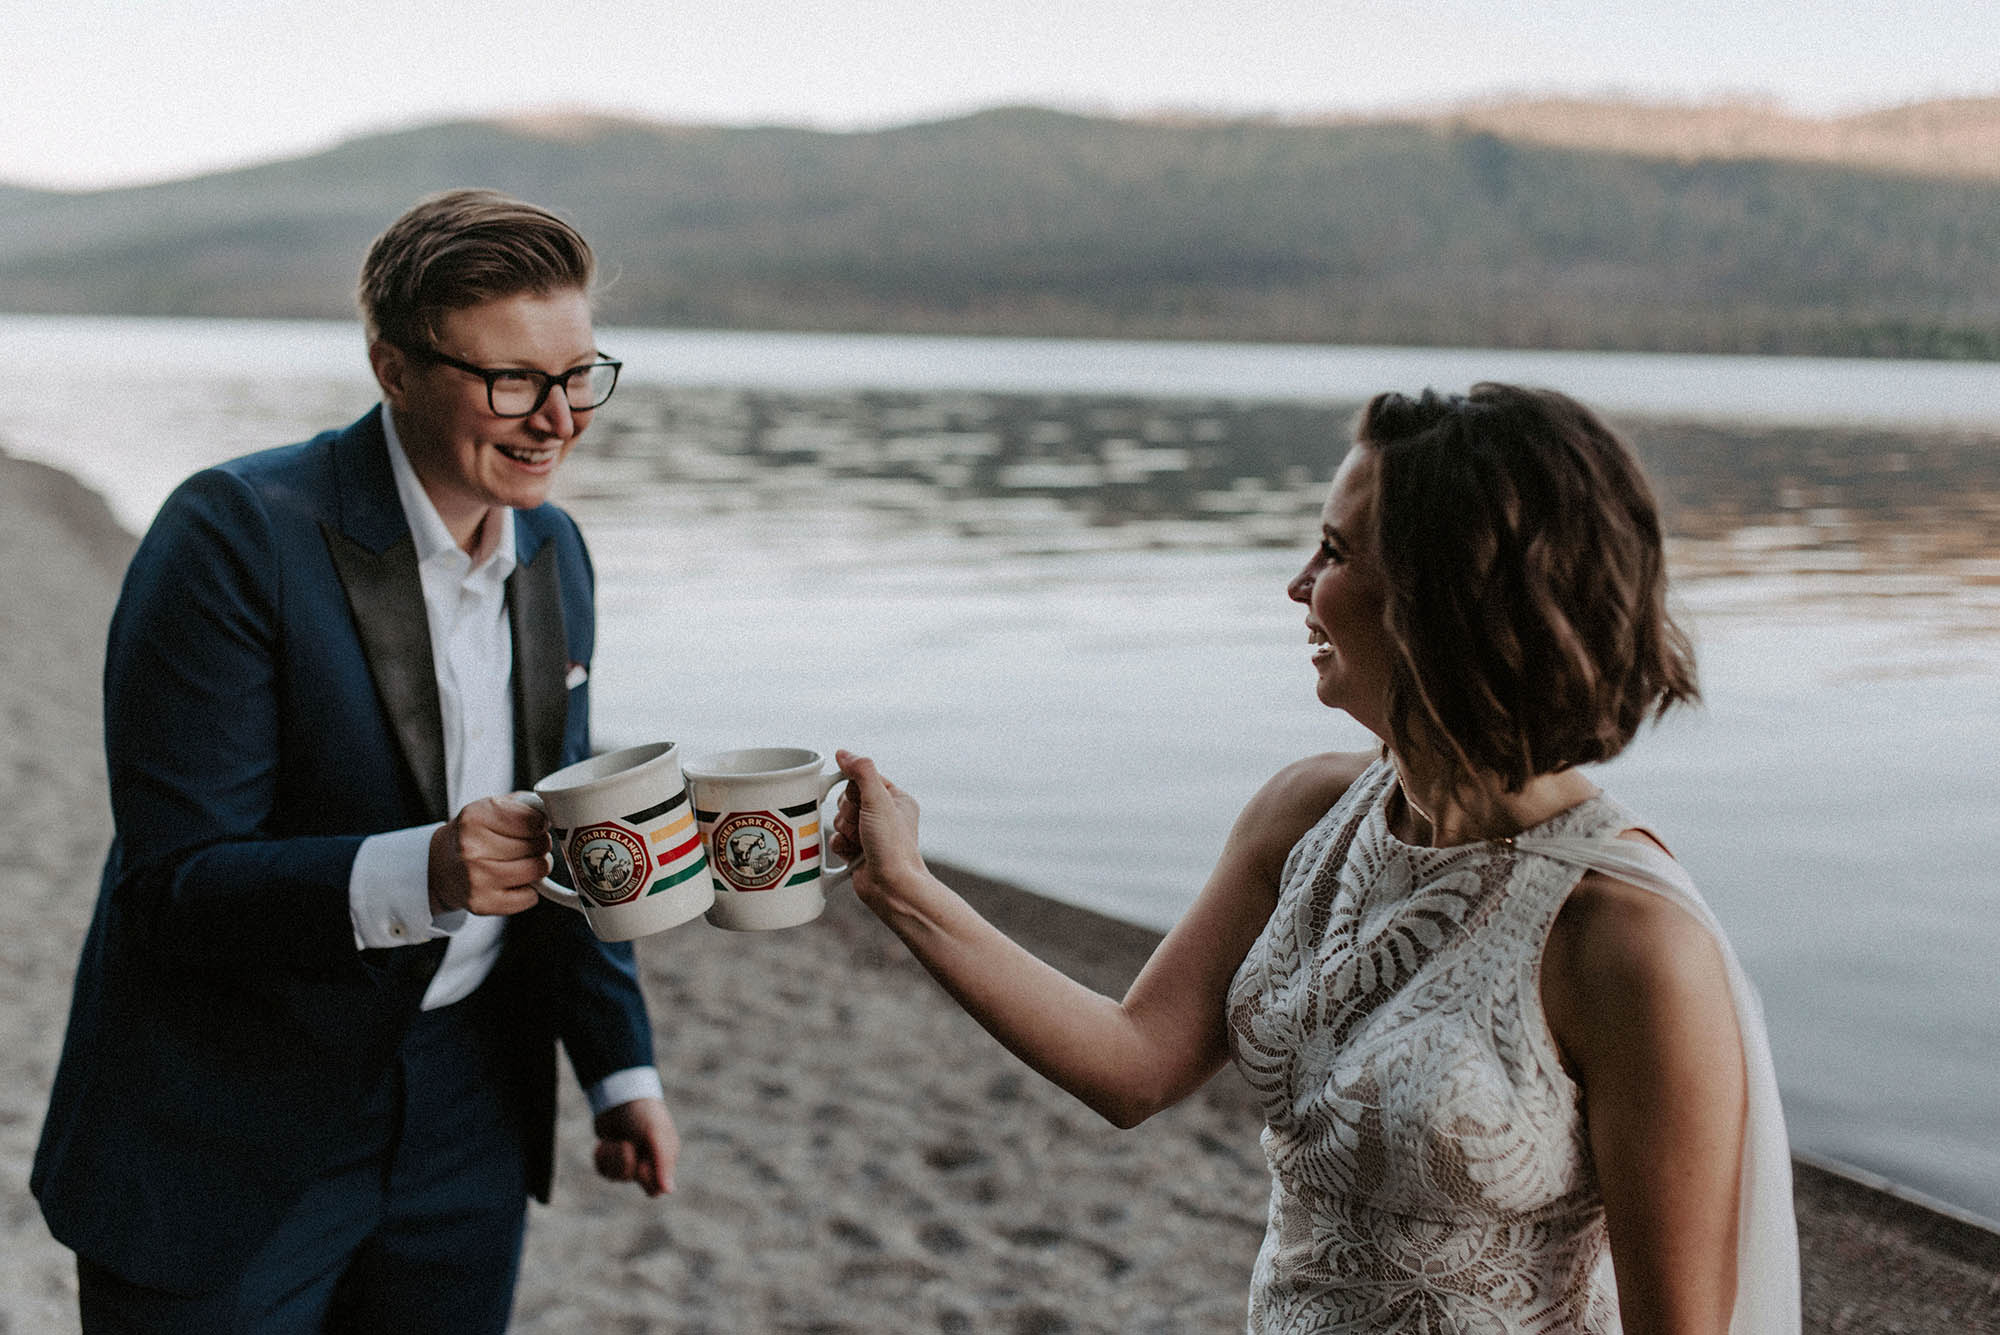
[[1521, 545], [461, 248]]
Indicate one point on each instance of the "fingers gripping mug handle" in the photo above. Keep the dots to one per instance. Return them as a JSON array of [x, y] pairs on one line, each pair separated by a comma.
[[828, 871], [548, 889]]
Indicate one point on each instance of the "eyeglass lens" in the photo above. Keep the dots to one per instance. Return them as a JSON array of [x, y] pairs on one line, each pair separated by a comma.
[[517, 395]]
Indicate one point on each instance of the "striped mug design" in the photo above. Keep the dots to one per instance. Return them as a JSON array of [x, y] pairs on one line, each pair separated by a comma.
[[640, 853], [626, 828], [758, 810]]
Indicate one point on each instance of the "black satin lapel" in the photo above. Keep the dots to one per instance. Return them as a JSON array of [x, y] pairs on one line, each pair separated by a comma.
[[541, 666], [387, 598]]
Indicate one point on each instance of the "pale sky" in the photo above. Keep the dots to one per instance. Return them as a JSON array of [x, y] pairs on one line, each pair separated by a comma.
[[107, 92]]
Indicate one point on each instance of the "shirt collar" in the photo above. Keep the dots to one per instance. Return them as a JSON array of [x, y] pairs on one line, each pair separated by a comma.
[[496, 540]]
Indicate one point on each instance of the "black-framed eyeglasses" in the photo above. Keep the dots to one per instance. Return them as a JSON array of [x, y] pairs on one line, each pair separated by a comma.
[[520, 392]]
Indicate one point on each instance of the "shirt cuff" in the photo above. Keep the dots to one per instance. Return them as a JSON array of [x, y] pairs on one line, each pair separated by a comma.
[[634, 1082], [389, 894]]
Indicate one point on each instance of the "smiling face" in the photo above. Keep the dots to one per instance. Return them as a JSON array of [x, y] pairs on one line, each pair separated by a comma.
[[1345, 595], [468, 459]]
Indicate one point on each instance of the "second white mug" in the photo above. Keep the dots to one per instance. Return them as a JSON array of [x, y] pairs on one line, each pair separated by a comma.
[[759, 813]]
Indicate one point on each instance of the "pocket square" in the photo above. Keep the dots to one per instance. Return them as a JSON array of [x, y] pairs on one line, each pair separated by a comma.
[[578, 674]]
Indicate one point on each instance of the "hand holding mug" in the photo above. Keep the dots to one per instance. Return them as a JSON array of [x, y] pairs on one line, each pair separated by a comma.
[[489, 857], [875, 828]]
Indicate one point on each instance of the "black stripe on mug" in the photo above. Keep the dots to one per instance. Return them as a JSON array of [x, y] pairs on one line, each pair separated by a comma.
[[653, 813]]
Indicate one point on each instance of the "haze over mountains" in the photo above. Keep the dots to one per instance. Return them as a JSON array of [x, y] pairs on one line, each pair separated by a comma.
[[1721, 228]]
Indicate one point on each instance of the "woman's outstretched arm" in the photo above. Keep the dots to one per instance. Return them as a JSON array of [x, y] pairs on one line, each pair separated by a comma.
[[1126, 1059]]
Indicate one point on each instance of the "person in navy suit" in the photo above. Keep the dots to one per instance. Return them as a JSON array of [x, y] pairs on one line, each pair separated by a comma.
[[309, 1077]]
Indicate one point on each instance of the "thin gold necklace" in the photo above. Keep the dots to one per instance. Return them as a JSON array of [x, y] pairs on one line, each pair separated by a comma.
[[1403, 788]]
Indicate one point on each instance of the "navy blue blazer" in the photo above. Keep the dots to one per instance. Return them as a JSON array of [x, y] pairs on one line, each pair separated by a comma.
[[269, 702]]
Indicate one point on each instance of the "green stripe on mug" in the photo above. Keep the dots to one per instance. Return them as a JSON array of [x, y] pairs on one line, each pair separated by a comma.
[[672, 879]]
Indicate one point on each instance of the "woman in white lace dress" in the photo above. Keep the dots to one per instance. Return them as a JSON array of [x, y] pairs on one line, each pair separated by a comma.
[[1513, 1078]]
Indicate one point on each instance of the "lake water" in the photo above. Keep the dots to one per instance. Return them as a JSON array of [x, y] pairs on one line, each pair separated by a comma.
[[1042, 581]]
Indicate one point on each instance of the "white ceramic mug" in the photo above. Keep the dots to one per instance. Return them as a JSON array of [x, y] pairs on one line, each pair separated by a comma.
[[759, 813], [626, 828]]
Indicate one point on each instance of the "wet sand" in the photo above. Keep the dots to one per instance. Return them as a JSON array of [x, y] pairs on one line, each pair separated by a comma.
[[858, 1155]]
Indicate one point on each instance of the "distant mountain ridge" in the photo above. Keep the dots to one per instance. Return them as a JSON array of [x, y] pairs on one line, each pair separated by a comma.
[[1957, 137], [1527, 224]]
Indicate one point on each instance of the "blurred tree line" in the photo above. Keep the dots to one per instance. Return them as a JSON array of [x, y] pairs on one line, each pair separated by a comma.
[[1023, 221]]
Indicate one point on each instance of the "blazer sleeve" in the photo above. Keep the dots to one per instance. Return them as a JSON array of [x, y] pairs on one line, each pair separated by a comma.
[[192, 736], [600, 1012]]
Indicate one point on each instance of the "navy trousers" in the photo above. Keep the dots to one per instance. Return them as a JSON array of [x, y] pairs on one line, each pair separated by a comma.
[[413, 1226]]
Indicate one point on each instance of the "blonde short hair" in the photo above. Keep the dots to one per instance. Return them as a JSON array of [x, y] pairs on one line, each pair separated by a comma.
[[461, 248]]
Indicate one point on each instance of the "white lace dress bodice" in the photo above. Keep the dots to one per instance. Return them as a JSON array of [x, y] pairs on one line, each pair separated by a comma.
[[1430, 1167]]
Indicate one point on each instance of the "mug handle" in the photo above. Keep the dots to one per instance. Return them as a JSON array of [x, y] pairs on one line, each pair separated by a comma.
[[548, 889], [827, 871]]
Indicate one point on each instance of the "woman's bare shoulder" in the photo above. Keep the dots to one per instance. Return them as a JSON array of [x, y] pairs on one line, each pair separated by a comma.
[[1618, 932], [1320, 779], [1292, 800], [1622, 959]]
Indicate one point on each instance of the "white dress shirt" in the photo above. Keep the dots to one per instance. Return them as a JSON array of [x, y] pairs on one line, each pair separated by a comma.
[[472, 646]]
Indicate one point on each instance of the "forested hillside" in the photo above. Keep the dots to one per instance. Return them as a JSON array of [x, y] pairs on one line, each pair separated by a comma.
[[1024, 221]]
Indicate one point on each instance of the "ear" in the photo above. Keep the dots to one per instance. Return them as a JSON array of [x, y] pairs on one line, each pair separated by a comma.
[[392, 372]]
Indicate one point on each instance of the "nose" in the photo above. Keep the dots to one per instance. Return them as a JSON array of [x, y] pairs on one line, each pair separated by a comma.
[[554, 417], [1300, 590]]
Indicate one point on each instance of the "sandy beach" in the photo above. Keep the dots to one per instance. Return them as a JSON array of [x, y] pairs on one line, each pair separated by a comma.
[[858, 1156]]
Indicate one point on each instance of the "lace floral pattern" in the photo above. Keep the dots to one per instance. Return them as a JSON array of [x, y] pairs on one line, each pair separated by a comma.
[[1430, 1171]]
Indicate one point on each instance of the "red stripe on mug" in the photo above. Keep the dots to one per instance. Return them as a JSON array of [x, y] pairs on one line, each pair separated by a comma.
[[682, 851]]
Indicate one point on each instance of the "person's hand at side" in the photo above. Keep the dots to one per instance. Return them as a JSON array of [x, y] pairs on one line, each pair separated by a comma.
[[637, 1142], [488, 857]]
